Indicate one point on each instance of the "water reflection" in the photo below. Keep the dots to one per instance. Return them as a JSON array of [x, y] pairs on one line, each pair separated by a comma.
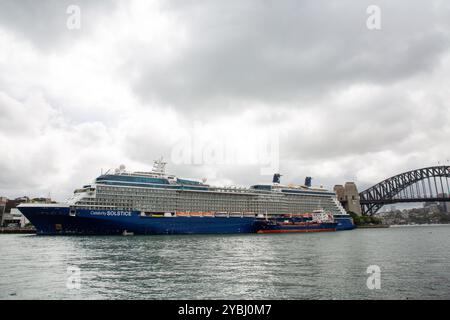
[[414, 264]]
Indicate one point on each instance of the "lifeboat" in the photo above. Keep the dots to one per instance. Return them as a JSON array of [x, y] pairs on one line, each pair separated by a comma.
[[249, 214], [221, 214], [208, 214]]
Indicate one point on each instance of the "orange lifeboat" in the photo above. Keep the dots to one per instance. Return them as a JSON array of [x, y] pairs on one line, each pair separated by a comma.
[[208, 214], [196, 214]]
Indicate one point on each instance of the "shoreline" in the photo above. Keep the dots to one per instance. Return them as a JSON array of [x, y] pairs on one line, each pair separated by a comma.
[[17, 231], [373, 226], [420, 225]]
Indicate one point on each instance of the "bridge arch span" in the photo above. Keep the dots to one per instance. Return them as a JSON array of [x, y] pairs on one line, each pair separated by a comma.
[[420, 185]]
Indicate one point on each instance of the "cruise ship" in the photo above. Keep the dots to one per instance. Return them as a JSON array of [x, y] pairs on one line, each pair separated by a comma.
[[122, 202]]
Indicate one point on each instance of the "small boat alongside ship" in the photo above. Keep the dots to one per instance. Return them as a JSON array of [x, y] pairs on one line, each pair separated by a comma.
[[147, 203], [318, 221]]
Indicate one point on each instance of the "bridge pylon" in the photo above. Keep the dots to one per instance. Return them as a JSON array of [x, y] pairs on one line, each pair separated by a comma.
[[349, 197]]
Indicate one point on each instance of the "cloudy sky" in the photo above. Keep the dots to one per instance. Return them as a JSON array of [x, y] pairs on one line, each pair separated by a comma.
[[228, 90]]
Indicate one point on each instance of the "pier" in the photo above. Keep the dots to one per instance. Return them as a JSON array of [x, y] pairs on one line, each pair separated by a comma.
[[17, 230]]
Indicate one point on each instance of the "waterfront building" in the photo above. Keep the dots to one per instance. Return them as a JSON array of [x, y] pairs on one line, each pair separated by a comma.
[[14, 218], [3, 201], [443, 205], [11, 216]]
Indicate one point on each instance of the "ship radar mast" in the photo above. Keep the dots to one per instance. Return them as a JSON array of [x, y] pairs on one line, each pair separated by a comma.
[[159, 166]]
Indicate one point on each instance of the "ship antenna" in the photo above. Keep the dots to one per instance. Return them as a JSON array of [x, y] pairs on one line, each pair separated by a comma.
[[159, 166]]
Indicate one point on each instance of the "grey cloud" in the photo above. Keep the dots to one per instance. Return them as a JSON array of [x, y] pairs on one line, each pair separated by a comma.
[[288, 51], [387, 122], [284, 63], [44, 22]]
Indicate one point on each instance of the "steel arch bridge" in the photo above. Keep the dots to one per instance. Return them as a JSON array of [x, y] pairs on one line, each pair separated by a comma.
[[422, 185]]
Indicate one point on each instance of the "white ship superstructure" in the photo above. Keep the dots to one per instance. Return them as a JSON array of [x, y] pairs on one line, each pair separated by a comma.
[[158, 192]]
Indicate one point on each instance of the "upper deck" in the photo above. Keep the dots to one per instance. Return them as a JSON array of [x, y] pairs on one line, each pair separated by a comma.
[[157, 178]]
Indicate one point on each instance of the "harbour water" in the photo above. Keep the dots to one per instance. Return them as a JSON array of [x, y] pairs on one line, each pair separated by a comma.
[[414, 263]]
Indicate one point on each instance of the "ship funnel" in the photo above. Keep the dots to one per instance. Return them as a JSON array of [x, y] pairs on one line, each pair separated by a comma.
[[276, 178], [308, 181]]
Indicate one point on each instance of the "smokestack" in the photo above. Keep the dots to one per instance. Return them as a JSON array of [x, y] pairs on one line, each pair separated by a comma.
[[308, 181], [276, 178]]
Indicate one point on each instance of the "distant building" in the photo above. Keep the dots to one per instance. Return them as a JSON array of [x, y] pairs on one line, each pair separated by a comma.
[[430, 204], [444, 205], [433, 207], [41, 200], [14, 218], [11, 216], [3, 202]]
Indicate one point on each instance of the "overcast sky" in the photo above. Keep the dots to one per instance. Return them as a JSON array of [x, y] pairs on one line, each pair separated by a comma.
[[226, 90]]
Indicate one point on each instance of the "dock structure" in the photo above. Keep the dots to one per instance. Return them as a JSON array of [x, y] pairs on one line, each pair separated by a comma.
[[17, 230]]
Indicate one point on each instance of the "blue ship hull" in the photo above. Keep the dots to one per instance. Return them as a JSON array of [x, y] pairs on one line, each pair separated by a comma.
[[62, 220], [59, 220], [344, 223]]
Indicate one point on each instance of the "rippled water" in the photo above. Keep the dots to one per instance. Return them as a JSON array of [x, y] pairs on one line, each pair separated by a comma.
[[414, 262]]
